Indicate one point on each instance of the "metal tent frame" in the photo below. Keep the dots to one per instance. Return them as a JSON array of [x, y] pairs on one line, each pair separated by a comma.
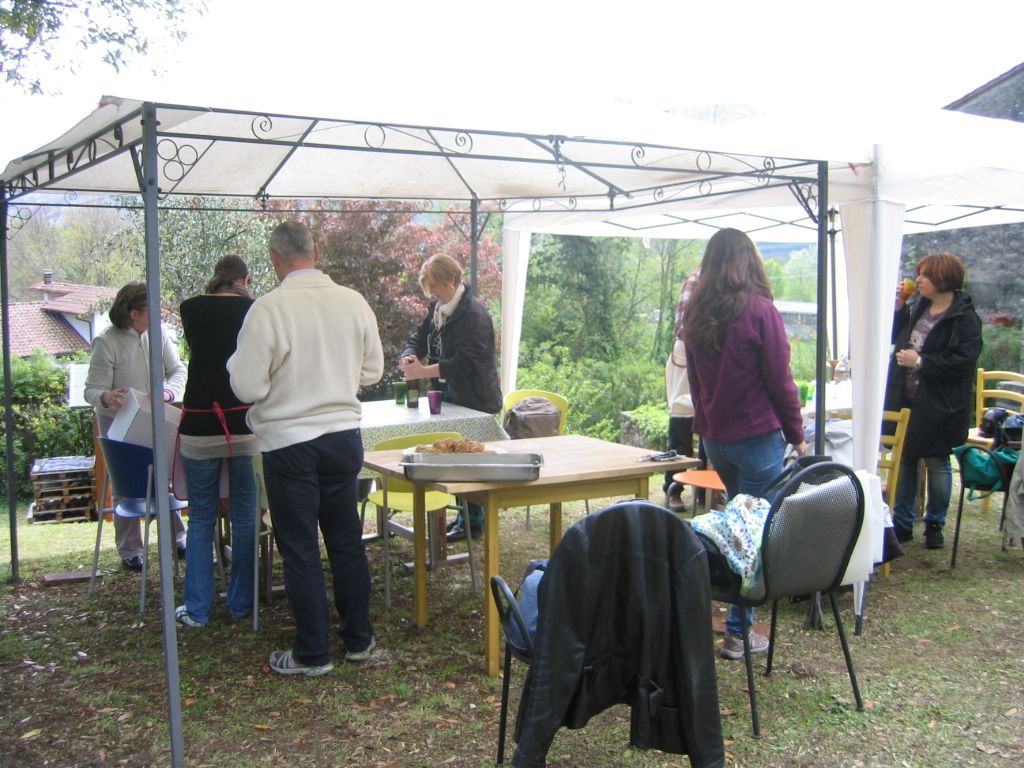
[[159, 151]]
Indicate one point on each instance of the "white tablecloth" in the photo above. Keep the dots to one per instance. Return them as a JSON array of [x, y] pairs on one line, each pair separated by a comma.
[[383, 419]]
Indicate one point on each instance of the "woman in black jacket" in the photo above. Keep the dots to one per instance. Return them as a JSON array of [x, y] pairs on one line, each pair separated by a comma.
[[937, 342], [454, 346]]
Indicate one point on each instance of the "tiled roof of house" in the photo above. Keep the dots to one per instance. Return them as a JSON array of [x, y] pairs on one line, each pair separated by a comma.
[[75, 299], [34, 326]]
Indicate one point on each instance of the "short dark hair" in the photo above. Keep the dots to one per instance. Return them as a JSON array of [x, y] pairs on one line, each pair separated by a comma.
[[945, 270], [131, 296]]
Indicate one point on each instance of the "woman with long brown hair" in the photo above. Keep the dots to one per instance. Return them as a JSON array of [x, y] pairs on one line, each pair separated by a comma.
[[746, 406]]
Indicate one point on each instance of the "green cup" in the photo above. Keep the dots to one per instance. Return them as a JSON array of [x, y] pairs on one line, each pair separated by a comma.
[[803, 389], [401, 389]]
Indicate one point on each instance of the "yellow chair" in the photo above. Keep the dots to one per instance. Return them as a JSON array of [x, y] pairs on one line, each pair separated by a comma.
[[889, 456], [559, 401], [400, 499], [988, 394]]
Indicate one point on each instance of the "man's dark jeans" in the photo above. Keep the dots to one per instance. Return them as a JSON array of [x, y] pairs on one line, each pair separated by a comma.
[[314, 484]]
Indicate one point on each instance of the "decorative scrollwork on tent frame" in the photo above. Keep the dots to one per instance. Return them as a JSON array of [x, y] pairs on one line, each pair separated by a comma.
[[375, 141], [17, 217], [767, 170], [463, 142], [70, 197], [261, 126], [658, 195], [89, 151], [178, 159], [637, 154]]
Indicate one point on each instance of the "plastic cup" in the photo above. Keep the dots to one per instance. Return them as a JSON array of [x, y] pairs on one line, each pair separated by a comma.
[[401, 389], [434, 400]]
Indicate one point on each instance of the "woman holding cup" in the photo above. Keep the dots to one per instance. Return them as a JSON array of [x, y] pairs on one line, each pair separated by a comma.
[[454, 347]]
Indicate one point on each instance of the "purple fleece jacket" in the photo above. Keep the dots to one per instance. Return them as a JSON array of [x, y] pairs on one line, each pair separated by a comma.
[[748, 389]]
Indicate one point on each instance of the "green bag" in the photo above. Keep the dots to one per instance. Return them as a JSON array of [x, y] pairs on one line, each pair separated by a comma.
[[984, 470]]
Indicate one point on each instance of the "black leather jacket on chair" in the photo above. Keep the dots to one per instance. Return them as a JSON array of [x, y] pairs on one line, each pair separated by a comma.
[[625, 618]]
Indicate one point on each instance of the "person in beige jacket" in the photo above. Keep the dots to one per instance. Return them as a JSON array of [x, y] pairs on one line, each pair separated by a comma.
[[303, 351]]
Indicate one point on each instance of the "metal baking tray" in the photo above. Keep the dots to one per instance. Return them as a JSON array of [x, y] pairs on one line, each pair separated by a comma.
[[472, 467]]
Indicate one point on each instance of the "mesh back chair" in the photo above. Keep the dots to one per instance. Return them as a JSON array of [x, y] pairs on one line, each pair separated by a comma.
[[809, 535], [399, 497], [129, 471], [624, 616], [999, 465], [518, 644]]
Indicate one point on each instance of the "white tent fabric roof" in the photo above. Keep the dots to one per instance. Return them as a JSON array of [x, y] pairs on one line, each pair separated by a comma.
[[247, 154]]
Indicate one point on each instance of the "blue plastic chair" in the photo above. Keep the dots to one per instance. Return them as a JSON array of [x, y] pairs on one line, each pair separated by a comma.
[[130, 473]]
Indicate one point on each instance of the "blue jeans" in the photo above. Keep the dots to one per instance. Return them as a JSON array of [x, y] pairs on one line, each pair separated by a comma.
[[746, 466], [203, 476], [309, 485], [940, 489]]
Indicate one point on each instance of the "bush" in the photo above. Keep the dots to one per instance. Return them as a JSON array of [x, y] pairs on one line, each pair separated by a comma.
[[651, 422], [597, 391], [1001, 350], [44, 425]]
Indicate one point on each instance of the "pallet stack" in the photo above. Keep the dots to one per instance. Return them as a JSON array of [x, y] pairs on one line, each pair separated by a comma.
[[64, 489]]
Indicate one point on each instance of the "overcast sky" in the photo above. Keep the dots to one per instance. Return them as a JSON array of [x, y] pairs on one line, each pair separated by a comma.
[[520, 64]]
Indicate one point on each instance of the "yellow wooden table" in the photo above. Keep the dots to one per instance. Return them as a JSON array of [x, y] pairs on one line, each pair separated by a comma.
[[575, 468]]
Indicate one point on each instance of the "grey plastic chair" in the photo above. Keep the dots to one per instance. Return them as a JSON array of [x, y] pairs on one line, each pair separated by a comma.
[[809, 536]]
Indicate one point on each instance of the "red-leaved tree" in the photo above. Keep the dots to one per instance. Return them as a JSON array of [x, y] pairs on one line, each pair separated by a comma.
[[377, 250]]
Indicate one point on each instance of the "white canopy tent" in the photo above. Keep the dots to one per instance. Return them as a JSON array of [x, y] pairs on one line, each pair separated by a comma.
[[617, 166], [159, 151], [914, 173]]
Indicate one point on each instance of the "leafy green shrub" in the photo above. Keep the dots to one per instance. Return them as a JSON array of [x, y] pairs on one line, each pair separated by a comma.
[[597, 391], [44, 425], [803, 357], [1001, 350], [651, 421]]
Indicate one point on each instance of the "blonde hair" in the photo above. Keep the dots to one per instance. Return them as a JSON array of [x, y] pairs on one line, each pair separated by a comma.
[[440, 269]]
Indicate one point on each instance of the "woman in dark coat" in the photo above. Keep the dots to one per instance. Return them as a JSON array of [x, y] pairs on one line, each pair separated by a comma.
[[937, 342], [454, 346]]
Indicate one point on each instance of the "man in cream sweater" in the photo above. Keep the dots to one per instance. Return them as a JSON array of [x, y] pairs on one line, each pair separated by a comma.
[[303, 351]]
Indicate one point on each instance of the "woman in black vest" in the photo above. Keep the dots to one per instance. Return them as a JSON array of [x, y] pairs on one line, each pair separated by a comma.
[[213, 431]]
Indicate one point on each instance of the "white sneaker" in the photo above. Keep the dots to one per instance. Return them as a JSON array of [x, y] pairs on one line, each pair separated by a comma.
[[182, 617]]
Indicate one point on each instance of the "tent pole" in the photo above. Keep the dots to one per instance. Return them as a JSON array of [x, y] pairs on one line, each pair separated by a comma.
[[813, 619], [834, 307], [161, 482], [822, 320], [12, 491], [474, 238]]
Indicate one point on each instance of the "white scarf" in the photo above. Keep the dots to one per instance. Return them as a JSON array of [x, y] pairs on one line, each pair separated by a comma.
[[443, 311]]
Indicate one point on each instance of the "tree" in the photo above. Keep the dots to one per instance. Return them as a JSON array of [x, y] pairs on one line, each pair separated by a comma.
[[31, 32], [377, 251], [78, 245], [194, 234]]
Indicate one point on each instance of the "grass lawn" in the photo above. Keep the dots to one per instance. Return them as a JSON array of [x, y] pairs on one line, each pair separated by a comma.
[[82, 677]]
